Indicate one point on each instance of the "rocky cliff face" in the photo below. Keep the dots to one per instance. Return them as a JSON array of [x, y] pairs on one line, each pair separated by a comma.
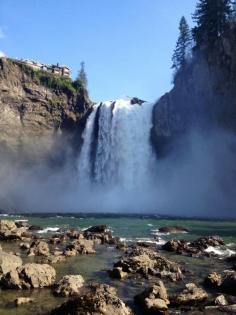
[[204, 95], [36, 113]]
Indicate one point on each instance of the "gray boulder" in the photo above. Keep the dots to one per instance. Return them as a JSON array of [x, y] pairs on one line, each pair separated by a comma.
[[100, 300], [69, 285], [191, 295], [29, 276], [153, 300], [9, 262]]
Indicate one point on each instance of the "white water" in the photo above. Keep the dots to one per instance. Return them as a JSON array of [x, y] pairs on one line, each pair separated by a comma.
[[123, 156]]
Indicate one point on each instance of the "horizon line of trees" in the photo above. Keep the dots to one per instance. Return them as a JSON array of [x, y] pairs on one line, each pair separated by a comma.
[[212, 19]]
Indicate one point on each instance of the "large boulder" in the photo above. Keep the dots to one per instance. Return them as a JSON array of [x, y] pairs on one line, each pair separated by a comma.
[[147, 262], [9, 262], [29, 276], [69, 285], [81, 246], [153, 300], [172, 230], [214, 279], [100, 300], [39, 248], [177, 246], [225, 282], [194, 249], [191, 295], [207, 241], [97, 229], [100, 233], [7, 225], [228, 284], [23, 300], [9, 231]]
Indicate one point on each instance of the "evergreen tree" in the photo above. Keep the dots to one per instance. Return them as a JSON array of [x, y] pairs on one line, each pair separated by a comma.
[[82, 76], [233, 15], [212, 18], [183, 46]]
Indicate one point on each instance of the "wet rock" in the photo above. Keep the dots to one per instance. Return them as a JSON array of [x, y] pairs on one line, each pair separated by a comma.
[[24, 246], [177, 246], [147, 262], [205, 242], [221, 300], [52, 259], [191, 295], [29, 276], [55, 240], [101, 234], [9, 262], [97, 229], [100, 300], [154, 300], [118, 273], [136, 100], [196, 248], [70, 253], [21, 223], [74, 234], [214, 279], [81, 246], [34, 228], [10, 232], [228, 284], [69, 285], [23, 300], [7, 225], [173, 230], [39, 248]]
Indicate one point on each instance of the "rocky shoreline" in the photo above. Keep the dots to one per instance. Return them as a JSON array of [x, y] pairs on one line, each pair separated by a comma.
[[165, 289]]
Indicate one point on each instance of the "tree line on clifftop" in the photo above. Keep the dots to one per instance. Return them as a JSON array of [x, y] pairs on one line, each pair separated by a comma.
[[212, 19]]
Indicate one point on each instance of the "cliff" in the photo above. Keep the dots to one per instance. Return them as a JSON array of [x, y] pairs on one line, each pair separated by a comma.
[[203, 96], [38, 111]]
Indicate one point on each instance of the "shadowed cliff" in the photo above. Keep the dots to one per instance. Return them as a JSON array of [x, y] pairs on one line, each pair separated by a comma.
[[203, 96]]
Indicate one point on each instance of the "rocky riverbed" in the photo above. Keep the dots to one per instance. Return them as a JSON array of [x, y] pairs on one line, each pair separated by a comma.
[[91, 271]]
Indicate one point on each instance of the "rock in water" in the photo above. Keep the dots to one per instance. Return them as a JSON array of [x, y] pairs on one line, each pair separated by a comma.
[[39, 248], [204, 242], [191, 295], [23, 300], [154, 300], [173, 229], [97, 229], [8, 262], [80, 246], [100, 300], [118, 273], [221, 300], [146, 262], [7, 225], [29, 276], [69, 285], [9, 231], [214, 279], [228, 284]]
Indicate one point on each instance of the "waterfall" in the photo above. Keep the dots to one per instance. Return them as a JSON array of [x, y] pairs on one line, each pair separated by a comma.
[[116, 150]]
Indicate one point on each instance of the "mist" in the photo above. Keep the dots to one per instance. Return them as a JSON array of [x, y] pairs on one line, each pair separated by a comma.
[[196, 180]]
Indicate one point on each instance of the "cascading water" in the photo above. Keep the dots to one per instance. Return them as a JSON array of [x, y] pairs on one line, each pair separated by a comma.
[[116, 151]]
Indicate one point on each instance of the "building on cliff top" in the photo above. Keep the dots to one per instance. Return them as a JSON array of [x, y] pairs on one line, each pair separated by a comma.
[[57, 69]]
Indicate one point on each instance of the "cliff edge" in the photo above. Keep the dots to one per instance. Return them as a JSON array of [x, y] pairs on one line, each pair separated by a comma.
[[37, 109]]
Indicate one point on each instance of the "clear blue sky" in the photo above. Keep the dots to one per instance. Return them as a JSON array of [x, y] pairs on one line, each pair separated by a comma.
[[126, 44]]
